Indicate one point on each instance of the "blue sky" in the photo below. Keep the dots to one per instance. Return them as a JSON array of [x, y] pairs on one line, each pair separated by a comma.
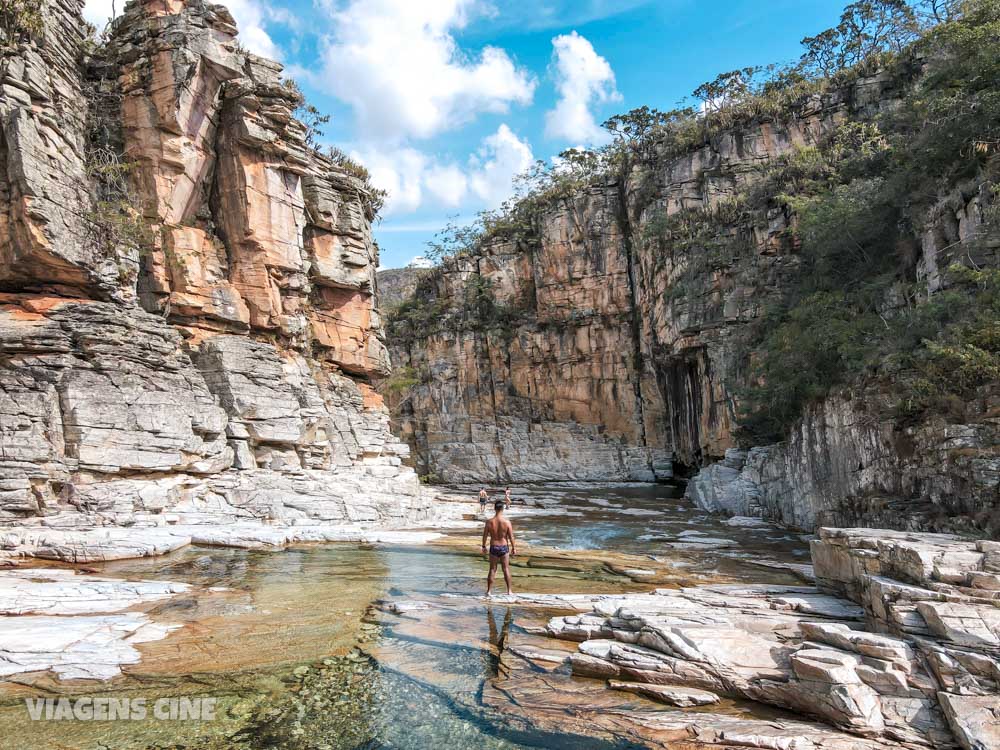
[[445, 100]]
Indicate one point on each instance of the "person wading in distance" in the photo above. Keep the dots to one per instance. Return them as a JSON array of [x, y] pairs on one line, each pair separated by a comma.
[[483, 498], [506, 496], [498, 538]]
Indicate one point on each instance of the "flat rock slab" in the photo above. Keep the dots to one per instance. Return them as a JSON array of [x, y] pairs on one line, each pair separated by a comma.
[[87, 648], [973, 625], [92, 545], [65, 592], [87, 545], [682, 697], [708, 729], [975, 719], [61, 620]]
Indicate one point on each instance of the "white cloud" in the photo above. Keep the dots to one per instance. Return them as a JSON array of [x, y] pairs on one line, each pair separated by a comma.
[[398, 65], [401, 171], [447, 183], [251, 18], [583, 79], [501, 158], [415, 179], [420, 262]]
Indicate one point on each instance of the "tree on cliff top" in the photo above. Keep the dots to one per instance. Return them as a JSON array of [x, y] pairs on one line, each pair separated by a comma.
[[20, 20]]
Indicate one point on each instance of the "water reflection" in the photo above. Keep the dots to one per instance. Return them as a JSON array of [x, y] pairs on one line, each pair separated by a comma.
[[497, 637], [289, 642]]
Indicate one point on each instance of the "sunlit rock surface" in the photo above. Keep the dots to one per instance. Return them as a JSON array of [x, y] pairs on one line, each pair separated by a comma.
[[214, 366], [897, 643], [627, 353], [63, 625]]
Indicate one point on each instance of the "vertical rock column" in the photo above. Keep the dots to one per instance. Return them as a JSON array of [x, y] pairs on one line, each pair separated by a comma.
[[47, 232]]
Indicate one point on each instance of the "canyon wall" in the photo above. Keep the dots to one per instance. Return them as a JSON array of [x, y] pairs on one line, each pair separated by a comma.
[[556, 396], [188, 324], [621, 361]]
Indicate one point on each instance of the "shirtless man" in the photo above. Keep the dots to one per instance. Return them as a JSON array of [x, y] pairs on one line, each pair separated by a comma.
[[498, 534], [483, 498]]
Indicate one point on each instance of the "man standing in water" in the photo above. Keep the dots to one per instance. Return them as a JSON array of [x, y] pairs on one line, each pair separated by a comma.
[[483, 497], [498, 536]]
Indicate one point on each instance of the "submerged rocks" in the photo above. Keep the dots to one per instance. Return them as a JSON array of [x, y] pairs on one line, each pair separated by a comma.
[[912, 660], [63, 623]]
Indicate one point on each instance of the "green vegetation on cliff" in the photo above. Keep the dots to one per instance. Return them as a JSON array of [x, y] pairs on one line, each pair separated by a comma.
[[850, 313], [848, 309]]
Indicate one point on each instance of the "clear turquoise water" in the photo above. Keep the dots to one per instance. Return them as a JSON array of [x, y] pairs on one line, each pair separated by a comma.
[[300, 659]]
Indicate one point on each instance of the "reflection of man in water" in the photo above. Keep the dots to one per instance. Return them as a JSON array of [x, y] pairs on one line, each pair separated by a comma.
[[499, 535], [498, 639]]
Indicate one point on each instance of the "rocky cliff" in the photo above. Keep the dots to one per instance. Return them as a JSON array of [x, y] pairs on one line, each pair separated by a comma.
[[615, 340], [188, 325], [555, 393]]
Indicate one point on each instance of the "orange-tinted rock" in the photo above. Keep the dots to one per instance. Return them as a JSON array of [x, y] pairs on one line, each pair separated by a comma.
[[342, 325], [246, 219], [228, 397]]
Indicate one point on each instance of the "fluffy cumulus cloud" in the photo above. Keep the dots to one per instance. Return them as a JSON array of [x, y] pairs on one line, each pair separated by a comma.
[[252, 17], [414, 178], [398, 65], [501, 158], [583, 79]]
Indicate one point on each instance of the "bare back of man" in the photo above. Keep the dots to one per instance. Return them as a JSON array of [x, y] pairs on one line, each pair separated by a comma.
[[498, 542]]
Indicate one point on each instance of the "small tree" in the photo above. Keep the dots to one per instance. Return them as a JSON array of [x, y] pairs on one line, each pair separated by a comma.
[[728, 87], [866, 28], [310, 117], [636, 125], [19, 20]]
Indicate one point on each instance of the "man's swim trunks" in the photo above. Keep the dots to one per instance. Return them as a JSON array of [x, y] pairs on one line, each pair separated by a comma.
[[498, 550]]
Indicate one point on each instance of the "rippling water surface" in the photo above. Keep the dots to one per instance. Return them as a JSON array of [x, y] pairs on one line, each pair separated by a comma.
[[290, 643]]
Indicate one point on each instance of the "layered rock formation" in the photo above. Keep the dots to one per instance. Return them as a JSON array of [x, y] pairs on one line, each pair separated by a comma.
[[895, 648], [623, 357], [188, 322], [562, 395]]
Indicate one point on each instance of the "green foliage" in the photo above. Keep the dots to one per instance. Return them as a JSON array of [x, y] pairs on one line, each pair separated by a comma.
[[401, 380], [848, 236], [959, 347], [117, 227], [311, 118], [828, 327], [481, 311], [860, 198], [455, 241], [804, 352], [425, 314], [866, 31], [418, 316], [949, 127], [374, 197], [20, 20]]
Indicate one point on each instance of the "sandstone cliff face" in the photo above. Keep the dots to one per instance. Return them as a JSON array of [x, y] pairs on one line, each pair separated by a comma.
[[216, 366], [628, 340], [559, 398]]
